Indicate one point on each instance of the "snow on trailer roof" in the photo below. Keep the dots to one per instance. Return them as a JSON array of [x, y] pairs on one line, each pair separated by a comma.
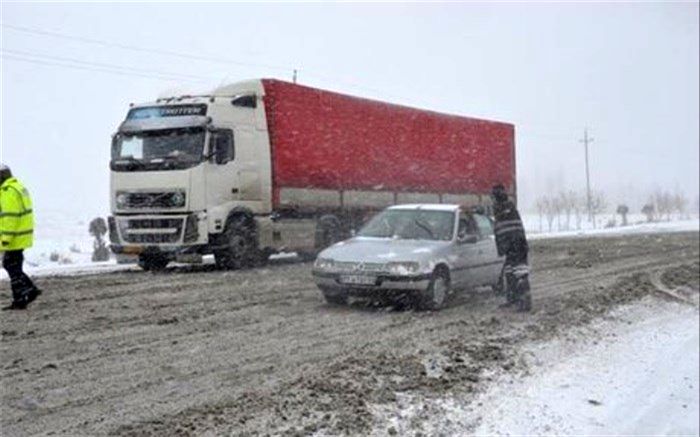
[[428, 206]]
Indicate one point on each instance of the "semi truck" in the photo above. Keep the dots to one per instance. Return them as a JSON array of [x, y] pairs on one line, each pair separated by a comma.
[[264, 166]]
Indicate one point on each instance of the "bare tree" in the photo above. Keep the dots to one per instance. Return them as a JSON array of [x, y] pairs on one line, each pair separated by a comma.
[[648, 210], [549, 212], [540, 204], [599, 204], [568, 204], [557, 207], [663, 203], [623, 210], [680, 202]]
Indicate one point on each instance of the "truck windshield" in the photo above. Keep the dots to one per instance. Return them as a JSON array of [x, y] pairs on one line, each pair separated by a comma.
[[158, 150], [412, 224]]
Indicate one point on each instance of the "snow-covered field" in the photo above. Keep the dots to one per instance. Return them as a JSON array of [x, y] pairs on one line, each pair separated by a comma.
[[64, 246]]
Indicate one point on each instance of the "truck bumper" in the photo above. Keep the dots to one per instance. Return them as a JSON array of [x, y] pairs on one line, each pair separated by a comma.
[[166, 234]]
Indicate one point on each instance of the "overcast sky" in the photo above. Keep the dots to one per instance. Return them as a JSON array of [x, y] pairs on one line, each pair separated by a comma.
[[627, 71]]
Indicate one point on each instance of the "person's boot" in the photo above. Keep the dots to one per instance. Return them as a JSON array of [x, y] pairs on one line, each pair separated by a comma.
[[511, 293], [525, 303], [33, 295], [524, 296], [15, 306]]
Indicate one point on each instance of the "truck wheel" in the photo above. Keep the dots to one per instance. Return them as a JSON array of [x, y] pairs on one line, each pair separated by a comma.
[[335, 297], [328, 232], [240, 245], [435, 296], [153, 263]]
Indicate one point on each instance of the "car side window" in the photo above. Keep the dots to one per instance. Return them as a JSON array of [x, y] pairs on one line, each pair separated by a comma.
[[467, 226], [484, 224]]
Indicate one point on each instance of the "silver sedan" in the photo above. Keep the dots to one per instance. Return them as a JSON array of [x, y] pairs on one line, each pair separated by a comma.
[[423, 251]]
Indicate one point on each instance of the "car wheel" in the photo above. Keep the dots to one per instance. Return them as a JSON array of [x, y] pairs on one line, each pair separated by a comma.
[[335, 297], [435, 296]]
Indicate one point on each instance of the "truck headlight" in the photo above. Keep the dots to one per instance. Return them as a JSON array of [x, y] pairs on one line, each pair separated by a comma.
[[403, 268], [177, 199], [121, 200], [324, 264]]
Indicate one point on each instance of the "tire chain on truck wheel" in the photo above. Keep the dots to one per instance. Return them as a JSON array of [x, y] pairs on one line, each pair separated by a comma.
[[328, 232], [153, 263], [239, 232]]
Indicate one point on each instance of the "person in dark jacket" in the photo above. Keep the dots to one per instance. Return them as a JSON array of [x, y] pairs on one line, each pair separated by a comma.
[[511, 243]]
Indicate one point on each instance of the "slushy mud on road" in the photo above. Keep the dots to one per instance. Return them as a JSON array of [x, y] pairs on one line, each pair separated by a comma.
[[194, 351]]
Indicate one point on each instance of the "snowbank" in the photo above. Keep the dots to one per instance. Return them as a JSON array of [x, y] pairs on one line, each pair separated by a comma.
[[635, 373], [638, 228], [640, 379]]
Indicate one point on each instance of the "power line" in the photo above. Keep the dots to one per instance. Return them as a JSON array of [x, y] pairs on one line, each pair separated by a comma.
[[139, 49], [42, 56], [84, 68], [189, 56]]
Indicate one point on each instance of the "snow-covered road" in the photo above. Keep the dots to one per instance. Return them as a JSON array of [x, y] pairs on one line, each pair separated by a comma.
[[640, 379]]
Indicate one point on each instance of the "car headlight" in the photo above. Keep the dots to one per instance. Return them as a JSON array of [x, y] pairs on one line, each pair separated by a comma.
[[121, 200], [324, 264], [403, 268], [177, 199]]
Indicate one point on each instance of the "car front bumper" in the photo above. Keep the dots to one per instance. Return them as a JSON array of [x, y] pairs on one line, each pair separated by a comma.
[[381, 283]]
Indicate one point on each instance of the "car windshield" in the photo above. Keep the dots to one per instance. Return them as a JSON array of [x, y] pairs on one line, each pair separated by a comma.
[[178, 147], [412, 224]]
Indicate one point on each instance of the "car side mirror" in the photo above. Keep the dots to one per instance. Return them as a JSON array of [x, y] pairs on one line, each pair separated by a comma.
[[467, 239]]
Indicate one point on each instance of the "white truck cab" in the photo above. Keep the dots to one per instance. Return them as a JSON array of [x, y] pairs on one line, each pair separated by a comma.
[[181, 166]]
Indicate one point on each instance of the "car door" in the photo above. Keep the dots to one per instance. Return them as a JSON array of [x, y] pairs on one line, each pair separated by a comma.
[[466, 247], [491, 263]]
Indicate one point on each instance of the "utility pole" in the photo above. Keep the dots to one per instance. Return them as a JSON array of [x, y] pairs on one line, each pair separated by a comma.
[[294, 76], [586, 139]]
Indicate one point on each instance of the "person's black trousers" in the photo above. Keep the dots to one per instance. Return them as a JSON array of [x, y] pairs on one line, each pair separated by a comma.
[[19, 282]]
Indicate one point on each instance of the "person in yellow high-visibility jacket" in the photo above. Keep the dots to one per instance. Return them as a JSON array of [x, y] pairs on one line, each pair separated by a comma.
[[16, 234]]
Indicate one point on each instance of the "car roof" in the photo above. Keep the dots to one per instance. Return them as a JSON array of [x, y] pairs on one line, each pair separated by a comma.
[[427, 206]]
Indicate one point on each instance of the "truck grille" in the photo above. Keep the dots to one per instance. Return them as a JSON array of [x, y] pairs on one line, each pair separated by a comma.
[[151, 231], [146, 200]]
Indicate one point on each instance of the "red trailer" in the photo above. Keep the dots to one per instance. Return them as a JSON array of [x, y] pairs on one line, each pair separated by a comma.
[[322, 140]]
